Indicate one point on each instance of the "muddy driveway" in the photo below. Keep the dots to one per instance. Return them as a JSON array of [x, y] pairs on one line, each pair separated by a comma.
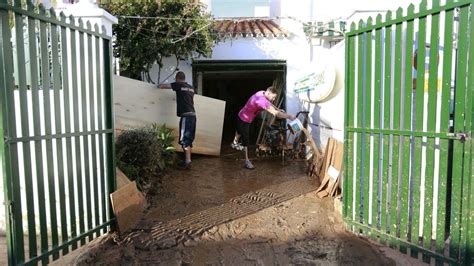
[[219, 213]]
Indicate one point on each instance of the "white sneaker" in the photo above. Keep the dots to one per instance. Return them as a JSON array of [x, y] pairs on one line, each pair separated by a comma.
[[237, 146], [248, 164]]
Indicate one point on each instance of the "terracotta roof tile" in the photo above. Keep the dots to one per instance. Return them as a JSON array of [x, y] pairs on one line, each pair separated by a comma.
[[246, 29], [249, 28]]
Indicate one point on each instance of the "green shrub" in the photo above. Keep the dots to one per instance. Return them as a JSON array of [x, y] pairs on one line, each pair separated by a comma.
[[143, 154], [166, 138]]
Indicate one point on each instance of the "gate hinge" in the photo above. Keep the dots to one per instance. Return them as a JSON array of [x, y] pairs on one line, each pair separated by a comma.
[[462, 136]]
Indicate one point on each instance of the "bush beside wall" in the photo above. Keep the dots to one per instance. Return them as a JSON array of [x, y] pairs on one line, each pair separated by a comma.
[[143, 154]]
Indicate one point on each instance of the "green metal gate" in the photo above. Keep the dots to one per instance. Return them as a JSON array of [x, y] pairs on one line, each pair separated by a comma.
[[408, 175], [57, 131]]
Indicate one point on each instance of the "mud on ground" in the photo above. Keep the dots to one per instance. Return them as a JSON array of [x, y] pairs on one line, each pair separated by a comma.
[[219, 213]]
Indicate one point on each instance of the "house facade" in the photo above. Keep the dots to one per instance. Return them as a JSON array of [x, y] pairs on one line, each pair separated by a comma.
[[277, 39]]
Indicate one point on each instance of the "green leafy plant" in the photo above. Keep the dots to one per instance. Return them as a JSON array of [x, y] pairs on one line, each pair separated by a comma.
[[166, 139], [148, 31]]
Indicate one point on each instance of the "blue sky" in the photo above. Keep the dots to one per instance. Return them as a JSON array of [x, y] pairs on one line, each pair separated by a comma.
[[236, 8]]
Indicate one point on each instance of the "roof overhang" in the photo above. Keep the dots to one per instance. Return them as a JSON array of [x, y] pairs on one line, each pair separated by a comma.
[[249, 27]]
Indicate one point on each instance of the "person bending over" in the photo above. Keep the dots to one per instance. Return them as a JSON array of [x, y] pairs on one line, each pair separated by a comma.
[[262, 100]]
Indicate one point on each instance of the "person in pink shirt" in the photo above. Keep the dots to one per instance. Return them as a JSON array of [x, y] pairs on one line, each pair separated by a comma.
[[262, 100]]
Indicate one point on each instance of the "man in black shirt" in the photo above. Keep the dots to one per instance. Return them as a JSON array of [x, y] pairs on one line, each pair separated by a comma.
[[185, 110]]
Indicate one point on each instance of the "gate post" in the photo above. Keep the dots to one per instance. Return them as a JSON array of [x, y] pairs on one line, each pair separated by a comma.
[[109, 120], [6, 63]]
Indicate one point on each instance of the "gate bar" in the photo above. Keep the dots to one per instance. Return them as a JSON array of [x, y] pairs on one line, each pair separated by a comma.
[[70, 242], [421, 14], [40, 17], [429, 134], [398, 241]]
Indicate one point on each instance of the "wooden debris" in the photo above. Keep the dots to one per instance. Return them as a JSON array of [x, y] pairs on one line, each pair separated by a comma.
[[315, 159], [121, 178], [128, 204], [331, 170]]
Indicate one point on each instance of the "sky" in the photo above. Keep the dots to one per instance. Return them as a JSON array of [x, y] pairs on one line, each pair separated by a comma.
[[322, 9], [236, 8]]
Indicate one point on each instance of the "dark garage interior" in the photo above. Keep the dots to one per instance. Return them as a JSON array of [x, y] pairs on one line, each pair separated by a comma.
[[234, 82]]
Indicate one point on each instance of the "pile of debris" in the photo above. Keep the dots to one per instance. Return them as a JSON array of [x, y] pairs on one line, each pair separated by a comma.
[[330, 173]]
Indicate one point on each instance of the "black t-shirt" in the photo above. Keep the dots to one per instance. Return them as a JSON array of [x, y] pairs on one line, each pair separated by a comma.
[[184, 97]]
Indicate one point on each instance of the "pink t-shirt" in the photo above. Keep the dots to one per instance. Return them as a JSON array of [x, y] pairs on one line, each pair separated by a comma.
[[254, 105]]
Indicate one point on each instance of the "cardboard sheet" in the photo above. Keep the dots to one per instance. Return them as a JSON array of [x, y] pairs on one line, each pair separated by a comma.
[[128, 204]]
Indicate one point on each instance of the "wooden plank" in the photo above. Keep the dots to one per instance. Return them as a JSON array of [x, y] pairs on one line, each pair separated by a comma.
[[334, 160], [329, 158], [337, 165], [128, 205], [315, 163], [321, 191], [138, 104], [122, 179], [326, 159]]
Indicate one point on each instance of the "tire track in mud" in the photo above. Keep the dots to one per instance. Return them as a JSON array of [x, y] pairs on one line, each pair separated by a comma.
[[190, 227]]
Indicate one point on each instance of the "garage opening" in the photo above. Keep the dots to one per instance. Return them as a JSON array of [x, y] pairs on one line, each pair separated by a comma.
[[234, 82]]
